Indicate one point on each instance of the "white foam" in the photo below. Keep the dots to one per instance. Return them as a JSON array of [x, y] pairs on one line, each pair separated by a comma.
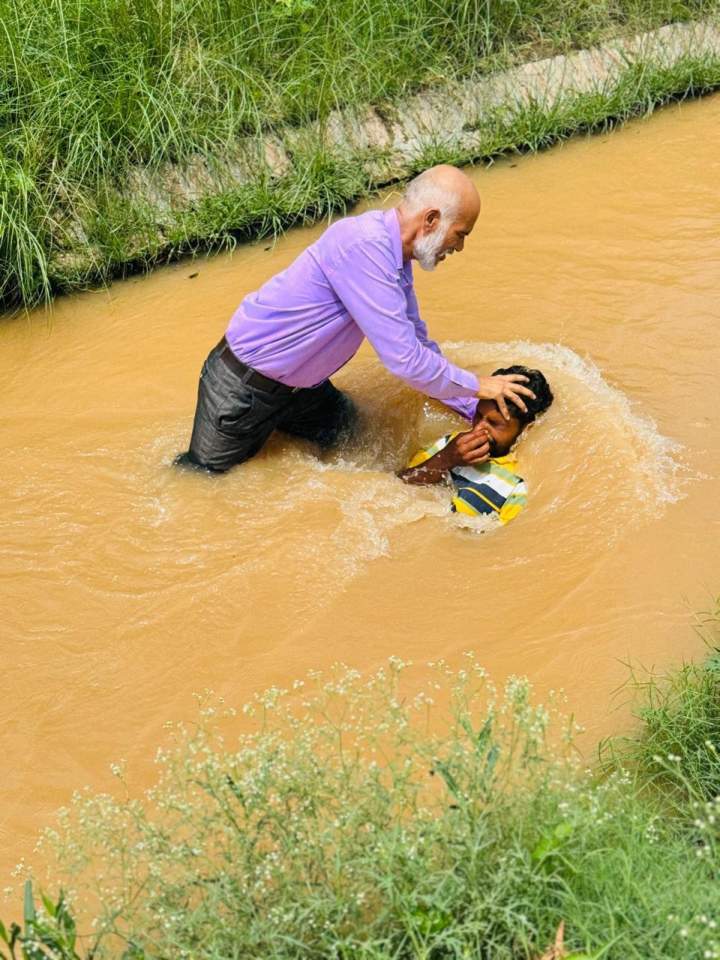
[[661, 466]]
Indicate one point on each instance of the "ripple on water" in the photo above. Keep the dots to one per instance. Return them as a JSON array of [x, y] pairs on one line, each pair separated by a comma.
[[594, 465]]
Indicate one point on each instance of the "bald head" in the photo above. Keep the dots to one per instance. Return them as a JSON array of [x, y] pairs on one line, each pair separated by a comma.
[[438, 210], [444, 186]]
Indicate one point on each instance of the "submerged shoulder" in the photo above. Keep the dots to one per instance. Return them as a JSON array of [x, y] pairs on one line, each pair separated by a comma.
[[425, 453], [505, 468]]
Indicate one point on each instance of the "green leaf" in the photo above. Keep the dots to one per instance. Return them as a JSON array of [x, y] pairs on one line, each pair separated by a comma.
[[29, 905], [3, 934], [64, 917], [69, 932], [432, 922], [552, 842], [50, 907], [712, 664], [542, 849], [234, 787], [483, 736], [563, 830], [492, 759], [449, 779]]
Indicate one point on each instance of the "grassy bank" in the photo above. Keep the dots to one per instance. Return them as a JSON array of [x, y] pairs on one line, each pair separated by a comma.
[[372, 818], [90, 89], [125, 234]]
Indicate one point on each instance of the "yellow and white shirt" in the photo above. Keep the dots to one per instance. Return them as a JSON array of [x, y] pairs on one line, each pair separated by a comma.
[[492, 488]]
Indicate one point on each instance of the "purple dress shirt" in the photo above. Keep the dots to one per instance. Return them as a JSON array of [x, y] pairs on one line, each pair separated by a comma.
[[308, 321]]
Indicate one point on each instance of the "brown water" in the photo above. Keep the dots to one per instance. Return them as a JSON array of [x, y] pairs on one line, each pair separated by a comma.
[[127, 586]]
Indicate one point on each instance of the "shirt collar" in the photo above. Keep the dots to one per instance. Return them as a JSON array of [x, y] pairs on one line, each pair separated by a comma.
[[392, 224]]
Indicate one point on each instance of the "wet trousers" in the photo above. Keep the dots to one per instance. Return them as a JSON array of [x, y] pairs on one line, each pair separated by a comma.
[[237, 410]]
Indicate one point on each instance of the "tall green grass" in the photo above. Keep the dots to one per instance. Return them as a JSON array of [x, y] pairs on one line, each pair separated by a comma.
[[676, 749], [381, 818], [90, 87], [125, 231]]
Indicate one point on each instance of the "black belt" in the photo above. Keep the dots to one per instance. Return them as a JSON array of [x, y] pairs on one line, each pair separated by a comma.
[[250, 376]]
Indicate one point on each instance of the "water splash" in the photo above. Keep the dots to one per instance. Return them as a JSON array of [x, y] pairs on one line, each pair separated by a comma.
[[595, 464]]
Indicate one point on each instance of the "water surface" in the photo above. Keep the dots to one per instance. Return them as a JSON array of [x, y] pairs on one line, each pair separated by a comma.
[[127, 586]]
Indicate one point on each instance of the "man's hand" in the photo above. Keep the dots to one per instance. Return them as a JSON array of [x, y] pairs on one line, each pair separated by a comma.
[[503, 388], [469, 448]]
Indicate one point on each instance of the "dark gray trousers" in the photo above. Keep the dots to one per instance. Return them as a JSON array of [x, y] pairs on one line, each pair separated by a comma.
[[234, 418]]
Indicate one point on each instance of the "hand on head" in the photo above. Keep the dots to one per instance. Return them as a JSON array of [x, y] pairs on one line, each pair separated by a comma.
[[504, 387], [505, 407]]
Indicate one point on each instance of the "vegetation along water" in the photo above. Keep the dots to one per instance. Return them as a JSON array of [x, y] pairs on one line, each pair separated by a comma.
[[328, 832], [89, 90], [114, 565], [382, 809]]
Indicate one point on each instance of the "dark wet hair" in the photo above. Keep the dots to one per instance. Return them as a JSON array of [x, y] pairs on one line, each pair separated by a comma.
[[540, 387]]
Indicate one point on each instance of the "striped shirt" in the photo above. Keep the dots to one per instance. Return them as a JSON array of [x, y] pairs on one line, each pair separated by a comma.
[[493, 488]]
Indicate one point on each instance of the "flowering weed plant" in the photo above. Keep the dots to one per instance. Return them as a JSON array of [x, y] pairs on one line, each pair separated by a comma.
[[415, 813]]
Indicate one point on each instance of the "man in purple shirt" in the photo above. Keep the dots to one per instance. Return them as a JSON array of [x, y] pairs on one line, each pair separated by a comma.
[[271, 370]]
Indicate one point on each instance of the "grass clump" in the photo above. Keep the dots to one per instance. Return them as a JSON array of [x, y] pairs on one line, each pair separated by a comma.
[[123, 233], [676, 749], [360, 819], [91, 88]]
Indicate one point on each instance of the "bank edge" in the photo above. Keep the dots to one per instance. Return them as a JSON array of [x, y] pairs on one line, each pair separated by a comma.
[[298, 175]]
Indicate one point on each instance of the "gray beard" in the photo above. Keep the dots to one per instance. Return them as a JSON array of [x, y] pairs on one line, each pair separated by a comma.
[[426, 249]]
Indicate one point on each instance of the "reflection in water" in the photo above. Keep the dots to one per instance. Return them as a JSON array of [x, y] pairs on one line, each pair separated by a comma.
[[128, 585]]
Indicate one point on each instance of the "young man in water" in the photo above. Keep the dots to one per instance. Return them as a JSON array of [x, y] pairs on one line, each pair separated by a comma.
[[478, 462]]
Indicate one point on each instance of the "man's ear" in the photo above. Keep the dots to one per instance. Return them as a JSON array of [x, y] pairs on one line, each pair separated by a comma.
[[431, 219]]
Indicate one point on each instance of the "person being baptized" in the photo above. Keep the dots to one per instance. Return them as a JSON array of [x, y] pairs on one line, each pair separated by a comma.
[[478, 463]]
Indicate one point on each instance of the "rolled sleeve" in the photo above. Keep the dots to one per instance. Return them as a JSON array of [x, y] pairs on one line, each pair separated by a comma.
[[367, 281]]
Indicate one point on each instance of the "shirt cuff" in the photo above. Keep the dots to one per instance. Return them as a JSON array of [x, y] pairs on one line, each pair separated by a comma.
[[460, 383], [465, 406]]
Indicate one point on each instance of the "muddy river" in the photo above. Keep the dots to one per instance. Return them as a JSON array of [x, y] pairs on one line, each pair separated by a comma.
[[127, 585]]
